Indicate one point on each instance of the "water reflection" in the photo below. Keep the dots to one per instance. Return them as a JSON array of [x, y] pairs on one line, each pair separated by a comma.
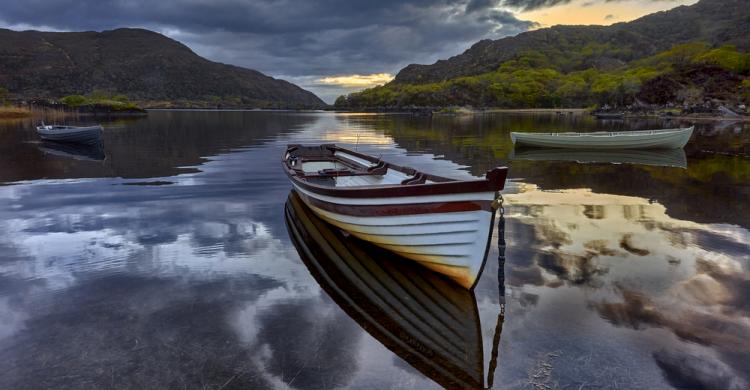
[[168, 264], [190, 284], [664, 158], [639, 268], [162, 144], [429, 321], [171, 286], [93, 152]]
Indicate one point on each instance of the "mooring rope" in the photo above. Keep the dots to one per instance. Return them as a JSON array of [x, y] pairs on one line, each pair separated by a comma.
[[498, 205]]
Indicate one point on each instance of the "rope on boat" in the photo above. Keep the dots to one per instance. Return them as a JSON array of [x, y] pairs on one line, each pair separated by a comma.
[[498, 205]]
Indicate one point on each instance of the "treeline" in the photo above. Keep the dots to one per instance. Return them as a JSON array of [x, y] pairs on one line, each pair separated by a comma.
[[686, 74]]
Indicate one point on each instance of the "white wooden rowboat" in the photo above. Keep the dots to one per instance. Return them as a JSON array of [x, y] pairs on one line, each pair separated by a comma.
[[644, 139], [443, 224], [84, 135]]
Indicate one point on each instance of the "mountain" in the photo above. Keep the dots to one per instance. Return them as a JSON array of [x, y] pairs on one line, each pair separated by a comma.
[[712, 21], [685, 56], [141, 64]]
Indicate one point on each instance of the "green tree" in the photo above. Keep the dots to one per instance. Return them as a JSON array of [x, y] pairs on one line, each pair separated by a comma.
[[340, 101], [726, 57], [74, 100], [746, 91]]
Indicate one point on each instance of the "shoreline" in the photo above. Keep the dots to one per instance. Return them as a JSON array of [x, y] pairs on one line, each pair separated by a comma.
[[463, 111], [14, 112], [694, 118], [41, 110], [536, 110]]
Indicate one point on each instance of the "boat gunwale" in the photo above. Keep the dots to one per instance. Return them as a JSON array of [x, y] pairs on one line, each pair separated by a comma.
[[400, 209], [494, 180]]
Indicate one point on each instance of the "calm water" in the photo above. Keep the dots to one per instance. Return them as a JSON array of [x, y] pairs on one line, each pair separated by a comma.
[[163, 260]]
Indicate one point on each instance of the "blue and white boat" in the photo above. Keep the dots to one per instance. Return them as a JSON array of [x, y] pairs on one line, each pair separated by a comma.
[[88, 135]]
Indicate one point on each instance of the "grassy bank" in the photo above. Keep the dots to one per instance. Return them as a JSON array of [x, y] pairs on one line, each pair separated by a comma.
[[101, 103], [14, 112]]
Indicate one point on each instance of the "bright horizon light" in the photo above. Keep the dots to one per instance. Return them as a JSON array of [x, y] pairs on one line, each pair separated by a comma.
[[357, 80], [587, 12]]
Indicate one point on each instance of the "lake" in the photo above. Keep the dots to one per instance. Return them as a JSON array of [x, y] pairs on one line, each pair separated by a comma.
[[163, 259]]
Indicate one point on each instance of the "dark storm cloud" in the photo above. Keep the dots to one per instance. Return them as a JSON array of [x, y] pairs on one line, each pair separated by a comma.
[[267, 18], [528, 5], [292, 39], [533, 4]]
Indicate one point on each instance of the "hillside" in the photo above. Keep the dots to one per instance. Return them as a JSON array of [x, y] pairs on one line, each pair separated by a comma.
[[582, 65], [141, 64], [715, 22]]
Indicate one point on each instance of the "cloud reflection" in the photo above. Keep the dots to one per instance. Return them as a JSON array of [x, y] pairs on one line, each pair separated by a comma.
[[192, 284], [644, 270], [150, 287]]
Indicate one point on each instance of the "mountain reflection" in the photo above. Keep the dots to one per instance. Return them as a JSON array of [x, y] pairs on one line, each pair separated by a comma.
[[162, 144], [712, 189]]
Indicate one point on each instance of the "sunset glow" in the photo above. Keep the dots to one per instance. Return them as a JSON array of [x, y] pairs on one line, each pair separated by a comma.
[[583, 12], [358, 80]]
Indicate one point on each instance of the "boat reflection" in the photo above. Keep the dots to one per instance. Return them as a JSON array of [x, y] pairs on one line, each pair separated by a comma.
[[425, 318], [83, 152], [655, 157]]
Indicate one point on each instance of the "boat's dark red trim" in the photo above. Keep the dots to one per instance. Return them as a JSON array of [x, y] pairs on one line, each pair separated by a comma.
[[494, 180], [388, 210]]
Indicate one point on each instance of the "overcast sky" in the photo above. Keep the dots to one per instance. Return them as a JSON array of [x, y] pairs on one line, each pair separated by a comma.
[[327, 46]]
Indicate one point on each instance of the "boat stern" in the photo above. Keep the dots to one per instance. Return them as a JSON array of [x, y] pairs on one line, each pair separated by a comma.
[[496, 178]]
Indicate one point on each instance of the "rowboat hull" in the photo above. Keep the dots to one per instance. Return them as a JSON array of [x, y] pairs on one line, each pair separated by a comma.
[[426, 320], [445, 231], [83, 135], [649, 139], [451, 243]]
